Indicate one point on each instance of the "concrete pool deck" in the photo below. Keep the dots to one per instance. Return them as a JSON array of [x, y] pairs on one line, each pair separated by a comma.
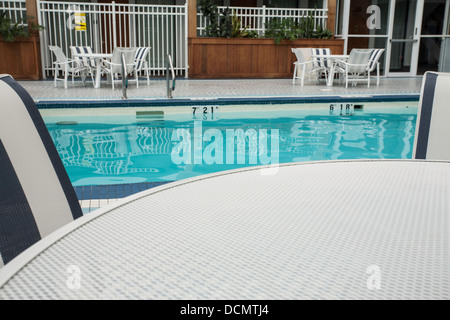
[[44, 90]]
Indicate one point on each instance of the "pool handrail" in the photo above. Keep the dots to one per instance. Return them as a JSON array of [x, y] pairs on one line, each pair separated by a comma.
[[170, 69]]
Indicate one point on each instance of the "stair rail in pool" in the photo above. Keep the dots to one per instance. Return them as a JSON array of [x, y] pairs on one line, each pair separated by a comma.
[[169, 68], [124, 77]]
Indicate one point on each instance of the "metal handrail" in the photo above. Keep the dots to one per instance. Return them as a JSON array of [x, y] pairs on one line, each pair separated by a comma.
[[169, 67], [124, 77]]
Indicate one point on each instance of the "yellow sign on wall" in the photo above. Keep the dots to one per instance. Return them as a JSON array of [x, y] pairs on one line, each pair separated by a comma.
[[80, 21]]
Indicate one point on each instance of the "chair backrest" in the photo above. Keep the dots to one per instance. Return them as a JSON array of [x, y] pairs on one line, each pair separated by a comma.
[[36, 195], [358, 60], [318, 61], [59, 54], [139, 58], [116, 59], [84, 61], [432, 127], [375, 55]]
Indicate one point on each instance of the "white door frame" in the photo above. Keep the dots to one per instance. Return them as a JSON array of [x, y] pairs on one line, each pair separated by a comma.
[[415, 40]]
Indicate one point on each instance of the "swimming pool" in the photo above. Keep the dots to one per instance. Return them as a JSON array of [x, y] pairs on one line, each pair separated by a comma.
[[134, 145]]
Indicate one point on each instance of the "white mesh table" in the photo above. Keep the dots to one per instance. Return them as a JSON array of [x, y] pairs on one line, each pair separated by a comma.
[[326, 230]]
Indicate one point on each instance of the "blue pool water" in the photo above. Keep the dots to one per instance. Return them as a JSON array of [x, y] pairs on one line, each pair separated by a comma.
[[114, 149]]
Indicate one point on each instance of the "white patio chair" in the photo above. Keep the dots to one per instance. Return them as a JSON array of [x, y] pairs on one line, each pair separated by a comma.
[[88, 63], [356, 67], [304, 65], [375, 55], [432, 128], [113, 68], [67, 66], [141, 65], [36, 195], [321, 64]]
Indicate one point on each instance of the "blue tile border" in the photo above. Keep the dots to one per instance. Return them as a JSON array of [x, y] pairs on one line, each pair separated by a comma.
[[114, 191], [61, 104]]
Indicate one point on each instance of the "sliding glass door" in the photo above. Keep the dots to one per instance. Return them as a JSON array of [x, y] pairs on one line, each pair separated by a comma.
[[404, 37], [415, 33], [419, 38]]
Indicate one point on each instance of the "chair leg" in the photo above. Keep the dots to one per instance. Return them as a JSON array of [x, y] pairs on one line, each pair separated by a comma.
[[295, 74], [148, 77], [66, 75], [56, 78], [378, 75], [303, 76], [368, 79], [137, 79]]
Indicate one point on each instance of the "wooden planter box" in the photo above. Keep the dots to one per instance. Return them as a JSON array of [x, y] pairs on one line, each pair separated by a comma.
[[249, 58], [20, 58]]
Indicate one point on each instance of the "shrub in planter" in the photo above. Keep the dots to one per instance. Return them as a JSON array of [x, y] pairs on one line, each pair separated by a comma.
[[10, 31], [223, 25], [289, 29]]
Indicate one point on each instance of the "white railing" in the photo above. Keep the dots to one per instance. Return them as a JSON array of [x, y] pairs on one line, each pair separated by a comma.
[[15, 9], [255, 18], [110, 25], [161, 27]]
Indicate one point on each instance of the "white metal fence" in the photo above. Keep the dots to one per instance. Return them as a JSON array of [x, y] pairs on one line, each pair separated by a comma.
[[255, 18], [15, 9], [161, 27], [109, 25]]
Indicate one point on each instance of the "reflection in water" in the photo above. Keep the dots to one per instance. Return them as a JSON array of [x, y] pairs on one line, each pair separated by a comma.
[[109, 154]]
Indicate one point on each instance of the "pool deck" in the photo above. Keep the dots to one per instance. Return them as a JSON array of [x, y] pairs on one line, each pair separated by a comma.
[[92, 197], [44, 92]]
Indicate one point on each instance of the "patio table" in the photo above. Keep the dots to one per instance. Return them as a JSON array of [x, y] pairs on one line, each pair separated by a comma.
[[98, 57], [332, 60], [366, 229]]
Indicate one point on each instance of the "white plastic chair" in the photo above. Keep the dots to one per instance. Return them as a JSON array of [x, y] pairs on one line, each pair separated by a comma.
[[375, 55], [356, 67], [321, 64], [67, 66], [304, 65], [432, 128], [36, 195], [89, 64], [114, 67], [141, 64]]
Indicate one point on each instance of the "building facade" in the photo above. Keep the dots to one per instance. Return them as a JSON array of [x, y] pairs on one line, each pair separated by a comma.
[[414, 33]]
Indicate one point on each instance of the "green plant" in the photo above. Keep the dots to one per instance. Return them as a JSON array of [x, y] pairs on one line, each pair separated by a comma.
[[307, 27], [238, 31], [218, 25], [282, 29], [323, 33], [289, 29], [236, 26], [10, 30]]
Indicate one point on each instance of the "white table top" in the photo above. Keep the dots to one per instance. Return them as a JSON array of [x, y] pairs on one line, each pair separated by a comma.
[[93, 55], [324, 230], [331, 56]]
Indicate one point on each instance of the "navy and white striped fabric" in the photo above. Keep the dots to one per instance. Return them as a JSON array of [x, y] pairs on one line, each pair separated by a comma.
[[85, 61], [433, 128], [36, 196], [374, 57], [321, 62], [141, 55]]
